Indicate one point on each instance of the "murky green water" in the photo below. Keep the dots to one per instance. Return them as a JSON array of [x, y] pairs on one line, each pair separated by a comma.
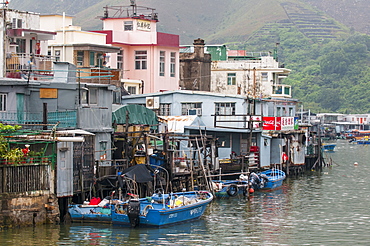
[[327, 208]]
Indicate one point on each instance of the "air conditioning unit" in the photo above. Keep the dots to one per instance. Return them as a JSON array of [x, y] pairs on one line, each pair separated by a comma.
[[152, 102], [195, 111]]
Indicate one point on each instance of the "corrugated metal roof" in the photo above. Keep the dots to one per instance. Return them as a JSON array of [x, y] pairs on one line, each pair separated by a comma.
[[137, 115], [184, 92]]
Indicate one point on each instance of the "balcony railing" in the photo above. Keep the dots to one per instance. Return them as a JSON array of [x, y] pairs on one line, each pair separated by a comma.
[[99, 75], [282, 91], [66, 119], [22, 65]]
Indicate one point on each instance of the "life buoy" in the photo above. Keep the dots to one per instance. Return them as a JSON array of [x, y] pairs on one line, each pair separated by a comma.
[[284, 157], [232, 190], [145, 210]]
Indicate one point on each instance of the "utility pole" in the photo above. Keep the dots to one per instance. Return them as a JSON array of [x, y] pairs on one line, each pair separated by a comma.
[[4, 38]]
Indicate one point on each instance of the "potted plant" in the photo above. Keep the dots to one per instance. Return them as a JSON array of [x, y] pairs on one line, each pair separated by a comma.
[[13, 156], [35, 156]]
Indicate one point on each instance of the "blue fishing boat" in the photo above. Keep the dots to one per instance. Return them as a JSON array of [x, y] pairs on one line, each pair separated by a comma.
[[364, 140], [267, 180], [97, 210], [161, 209], [275, 178], [328, 147], [230, 188]]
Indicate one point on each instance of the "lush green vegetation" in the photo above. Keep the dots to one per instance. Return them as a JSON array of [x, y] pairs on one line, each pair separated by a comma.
[[330, 71], [328, 75]]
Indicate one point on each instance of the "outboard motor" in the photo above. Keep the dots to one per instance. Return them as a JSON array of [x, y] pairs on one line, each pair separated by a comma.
[[254, 180], [264, 179], [133, 212]]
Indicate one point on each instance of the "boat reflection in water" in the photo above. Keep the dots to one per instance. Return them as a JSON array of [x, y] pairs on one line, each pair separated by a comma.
[[95, 234]]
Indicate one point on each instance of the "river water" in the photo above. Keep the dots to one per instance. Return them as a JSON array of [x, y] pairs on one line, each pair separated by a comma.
[[330, 207]]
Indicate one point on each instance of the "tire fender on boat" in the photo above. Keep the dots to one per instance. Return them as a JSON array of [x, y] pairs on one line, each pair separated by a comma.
[[145, 210], [232, 190]]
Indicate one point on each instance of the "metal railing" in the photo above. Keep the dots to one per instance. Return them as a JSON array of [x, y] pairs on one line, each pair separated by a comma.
[[101, 75], [66, 119], [20, 65]]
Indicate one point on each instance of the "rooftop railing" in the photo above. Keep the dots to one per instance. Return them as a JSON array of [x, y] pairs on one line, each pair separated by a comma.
[[66, 119], [21, 65]]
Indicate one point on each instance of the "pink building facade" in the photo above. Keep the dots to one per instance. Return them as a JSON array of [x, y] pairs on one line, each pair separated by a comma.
[[149, 60]]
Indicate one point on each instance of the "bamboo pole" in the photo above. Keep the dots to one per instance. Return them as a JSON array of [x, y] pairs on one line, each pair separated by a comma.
[[203, 168]]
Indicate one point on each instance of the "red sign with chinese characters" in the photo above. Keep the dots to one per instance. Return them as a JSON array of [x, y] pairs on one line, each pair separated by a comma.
[[287, 123]]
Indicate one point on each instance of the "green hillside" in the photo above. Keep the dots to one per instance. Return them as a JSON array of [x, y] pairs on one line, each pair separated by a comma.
[[215, 21], [329, 59]]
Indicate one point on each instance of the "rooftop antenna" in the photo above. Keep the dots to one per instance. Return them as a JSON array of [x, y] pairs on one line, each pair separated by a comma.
[[276, 52], [133, 4]]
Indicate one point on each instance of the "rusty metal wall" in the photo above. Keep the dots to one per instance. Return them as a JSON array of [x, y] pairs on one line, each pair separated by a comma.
[[24, 178]]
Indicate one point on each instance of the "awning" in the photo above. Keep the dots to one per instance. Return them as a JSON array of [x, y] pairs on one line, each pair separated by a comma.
[[96, 48], [41, 35], [221, 129], [179, 123]]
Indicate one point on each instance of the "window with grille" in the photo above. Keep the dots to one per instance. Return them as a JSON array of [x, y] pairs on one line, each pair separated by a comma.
[[90, 96], [131, 90], [164, 109], [162, 57], [191, 108], [231, 78], [21, 45], [140, 59], [92, 59], [57, 55], [173, 64], [3, 102], [120, 59], [225, 108], [127, 26], [80, 58]]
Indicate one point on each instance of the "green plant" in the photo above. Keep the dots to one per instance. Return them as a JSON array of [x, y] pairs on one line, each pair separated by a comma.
[[36, 153], [9, 128], [13, 155], [3, 145]]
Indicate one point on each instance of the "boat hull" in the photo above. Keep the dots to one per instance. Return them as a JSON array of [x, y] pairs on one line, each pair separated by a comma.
[[274, 184], [328, 147], [230, 188], [162, 214], [86, 213], [275, 178], [363, 142]]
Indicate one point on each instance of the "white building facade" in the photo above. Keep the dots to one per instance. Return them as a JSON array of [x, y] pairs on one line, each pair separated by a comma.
[[254, 77]]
